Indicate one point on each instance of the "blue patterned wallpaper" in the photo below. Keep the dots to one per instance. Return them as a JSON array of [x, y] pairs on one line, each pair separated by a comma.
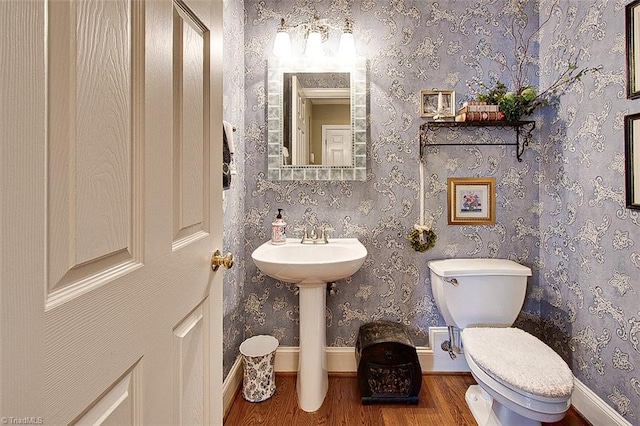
[[560, 211], [233, 203], [590, 266]]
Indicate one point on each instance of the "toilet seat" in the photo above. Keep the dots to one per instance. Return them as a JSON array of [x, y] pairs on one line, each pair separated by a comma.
[[520, 361], [501, 376]]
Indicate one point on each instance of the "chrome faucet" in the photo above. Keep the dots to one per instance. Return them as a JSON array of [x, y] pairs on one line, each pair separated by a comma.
[[313, 237]]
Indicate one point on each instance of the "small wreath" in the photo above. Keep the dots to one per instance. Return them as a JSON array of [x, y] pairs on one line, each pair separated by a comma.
[[429, 241]]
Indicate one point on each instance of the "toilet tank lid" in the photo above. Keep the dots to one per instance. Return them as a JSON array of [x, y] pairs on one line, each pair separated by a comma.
[[462, 267]]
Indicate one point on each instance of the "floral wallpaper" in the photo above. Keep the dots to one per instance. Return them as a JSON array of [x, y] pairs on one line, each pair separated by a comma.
[[233, 203], [590, 266], [560, 211]]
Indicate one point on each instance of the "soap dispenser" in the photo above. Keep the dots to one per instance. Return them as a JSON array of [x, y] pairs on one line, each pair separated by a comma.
[[278, 226]]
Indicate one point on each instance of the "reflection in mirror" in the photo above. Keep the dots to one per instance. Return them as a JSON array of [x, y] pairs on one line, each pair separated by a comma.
[[317, 119], [317, 125]]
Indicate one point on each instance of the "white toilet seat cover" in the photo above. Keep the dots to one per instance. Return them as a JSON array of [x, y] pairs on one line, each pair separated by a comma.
[[519, 359]]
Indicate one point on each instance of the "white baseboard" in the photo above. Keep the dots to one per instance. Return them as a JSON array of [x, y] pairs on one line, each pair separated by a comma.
[[287, 359], [593, 408], [231, 384], [343, 359], [432, 360]]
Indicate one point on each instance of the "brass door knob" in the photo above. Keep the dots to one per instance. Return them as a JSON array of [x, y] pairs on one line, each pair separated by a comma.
[[217, 260]]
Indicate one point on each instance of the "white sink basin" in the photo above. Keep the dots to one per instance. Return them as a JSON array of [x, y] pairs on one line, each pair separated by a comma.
[[297, 263]]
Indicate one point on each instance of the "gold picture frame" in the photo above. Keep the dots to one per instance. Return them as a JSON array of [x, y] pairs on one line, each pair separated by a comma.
[[431, 100], [471, 201]]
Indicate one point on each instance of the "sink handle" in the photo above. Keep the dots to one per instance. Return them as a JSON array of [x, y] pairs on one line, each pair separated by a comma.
[[302, 231], [325, 232]]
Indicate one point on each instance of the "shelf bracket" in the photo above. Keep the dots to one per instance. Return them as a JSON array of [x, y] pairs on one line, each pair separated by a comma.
[[527, 127]]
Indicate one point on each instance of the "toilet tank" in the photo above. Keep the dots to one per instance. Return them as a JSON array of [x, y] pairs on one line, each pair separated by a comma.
[[478, 292]]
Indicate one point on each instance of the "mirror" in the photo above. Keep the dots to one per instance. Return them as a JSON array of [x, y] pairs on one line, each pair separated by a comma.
[[317, 125], [317, 115]]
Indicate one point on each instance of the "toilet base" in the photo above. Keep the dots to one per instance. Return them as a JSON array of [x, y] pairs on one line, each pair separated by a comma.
[[489, 412]]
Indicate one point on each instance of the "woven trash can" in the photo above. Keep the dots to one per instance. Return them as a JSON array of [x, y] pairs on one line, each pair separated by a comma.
[[258, 356]]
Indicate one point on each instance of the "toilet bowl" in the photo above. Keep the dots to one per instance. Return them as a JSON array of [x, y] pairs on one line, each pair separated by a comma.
[[521, 381]]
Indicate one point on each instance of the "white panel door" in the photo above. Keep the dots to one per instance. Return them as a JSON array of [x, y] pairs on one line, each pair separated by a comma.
[[336, 145], [110, 162]]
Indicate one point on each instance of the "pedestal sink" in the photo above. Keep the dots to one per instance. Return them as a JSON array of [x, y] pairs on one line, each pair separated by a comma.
[[311, 267]]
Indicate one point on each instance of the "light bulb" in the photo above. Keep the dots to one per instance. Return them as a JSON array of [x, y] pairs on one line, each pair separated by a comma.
[[314, 45], [347, 48], [282, 43]]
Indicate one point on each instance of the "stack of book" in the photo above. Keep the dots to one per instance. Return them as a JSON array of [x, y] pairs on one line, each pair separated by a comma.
[[479, 111]]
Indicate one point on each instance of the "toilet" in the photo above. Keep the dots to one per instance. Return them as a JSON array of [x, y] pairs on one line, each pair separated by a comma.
[[521, 381]]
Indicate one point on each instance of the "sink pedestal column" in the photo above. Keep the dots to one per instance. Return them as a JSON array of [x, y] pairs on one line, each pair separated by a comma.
[[313, 380]]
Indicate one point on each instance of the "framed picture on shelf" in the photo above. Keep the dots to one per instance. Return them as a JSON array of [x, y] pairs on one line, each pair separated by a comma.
[[438, 102], [632, 160], [471, 201], [632, 23]]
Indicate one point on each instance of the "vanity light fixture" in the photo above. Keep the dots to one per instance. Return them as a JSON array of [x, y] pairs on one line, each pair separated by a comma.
[[317, 31], [282, 43], [314, 44], [347, 47]]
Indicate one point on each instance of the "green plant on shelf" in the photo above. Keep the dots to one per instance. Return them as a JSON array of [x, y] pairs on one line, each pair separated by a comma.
[[523, 99]]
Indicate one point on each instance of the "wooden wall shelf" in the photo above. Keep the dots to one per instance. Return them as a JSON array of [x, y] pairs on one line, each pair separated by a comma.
[[523, 129]]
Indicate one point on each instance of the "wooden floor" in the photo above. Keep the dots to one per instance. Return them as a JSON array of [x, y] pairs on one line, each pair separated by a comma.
[[441, 402]]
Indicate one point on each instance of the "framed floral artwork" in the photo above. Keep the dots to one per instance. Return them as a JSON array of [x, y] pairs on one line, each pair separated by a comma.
[[471, 201]]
